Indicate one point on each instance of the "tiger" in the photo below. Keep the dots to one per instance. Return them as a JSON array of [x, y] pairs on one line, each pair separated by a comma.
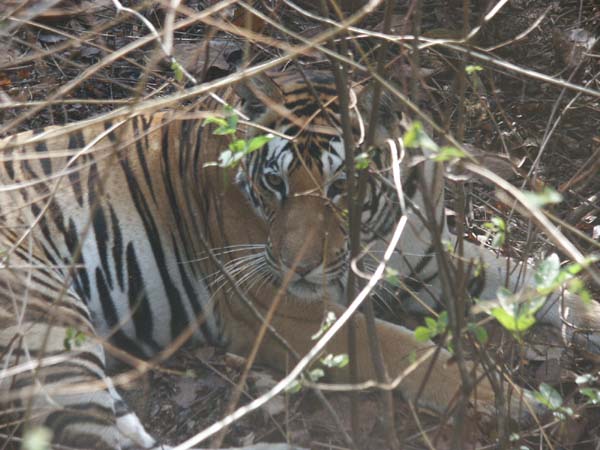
[[124, 232]]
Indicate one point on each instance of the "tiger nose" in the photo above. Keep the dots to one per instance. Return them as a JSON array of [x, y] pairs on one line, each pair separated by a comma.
[[302, 267]]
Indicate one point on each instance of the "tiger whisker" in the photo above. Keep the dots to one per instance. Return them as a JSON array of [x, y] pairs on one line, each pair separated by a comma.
[[248, 269], [224, 251], [263, 274], [233, 266]]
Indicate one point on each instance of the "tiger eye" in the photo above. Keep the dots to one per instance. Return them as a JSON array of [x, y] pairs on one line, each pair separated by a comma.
[[274, 181], [339, 185]]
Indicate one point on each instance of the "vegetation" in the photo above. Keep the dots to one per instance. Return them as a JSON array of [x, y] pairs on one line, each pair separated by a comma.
[[509, 89]]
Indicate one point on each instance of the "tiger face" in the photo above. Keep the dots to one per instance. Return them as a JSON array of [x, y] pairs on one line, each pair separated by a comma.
[[298, 186]]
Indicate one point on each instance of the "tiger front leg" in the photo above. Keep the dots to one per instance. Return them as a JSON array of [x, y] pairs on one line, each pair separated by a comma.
[[427, 374], [419, 370]]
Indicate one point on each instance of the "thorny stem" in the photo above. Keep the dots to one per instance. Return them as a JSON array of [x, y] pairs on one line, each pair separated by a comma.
[[451, 293], [387, 397], [356, 193], [415, 59], [342, 86]]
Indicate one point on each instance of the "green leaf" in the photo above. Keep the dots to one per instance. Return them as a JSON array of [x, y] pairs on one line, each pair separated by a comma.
[[499, 223], [516, 315], [238, 146], [499, 239], [223, 125], [471, 69], [480, 333], [422, 334], [257, 142], [497, 227], [412, 357], [362, 161], [224, 131], [178, 70], [546, 197], [294, 387], [507, 320], [338, 361], [584, 294], [232, 120], [392, 276], [433, 327], [495, 224], [592, 394], [327, 322], [415, 137], [549, 397], [73, 338], [449, 153], [514, 323], [316, 374], [215, 120], [547, 272], [431, 323], [442, 321], [564, 412]]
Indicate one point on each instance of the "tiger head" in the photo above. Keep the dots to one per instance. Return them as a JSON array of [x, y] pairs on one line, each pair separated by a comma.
[[297, 182]]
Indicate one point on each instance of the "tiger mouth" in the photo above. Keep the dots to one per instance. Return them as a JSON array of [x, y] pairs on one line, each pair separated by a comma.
[[308, 290], [304, 284]]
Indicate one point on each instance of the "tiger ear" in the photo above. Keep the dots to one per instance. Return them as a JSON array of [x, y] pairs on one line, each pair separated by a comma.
[[389, 118], [259, 94]]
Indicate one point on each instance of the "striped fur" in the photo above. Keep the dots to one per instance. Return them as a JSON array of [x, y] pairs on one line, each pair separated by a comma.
[[101, 236]]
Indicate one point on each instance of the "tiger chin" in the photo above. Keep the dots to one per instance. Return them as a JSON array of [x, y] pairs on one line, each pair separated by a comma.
[[111, 241]]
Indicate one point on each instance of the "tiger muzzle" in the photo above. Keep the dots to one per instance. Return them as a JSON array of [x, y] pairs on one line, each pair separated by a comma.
[[305, 234]]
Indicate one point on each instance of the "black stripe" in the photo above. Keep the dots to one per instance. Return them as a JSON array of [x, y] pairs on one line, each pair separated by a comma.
[[101, 234], [43, 224], [64, 424], [183, 232], [98, 220], [178, 316], [185, 145], [8, 164], [112, 137], [46, 164], [85, 356], [81, 280], [117, 249], [27, 169], [141, 144], [197, 151], [138, 301], [193, 297], [410, 185], [168, 181], [76, 142], [425, 260], [416, 285], [119, 338], [477, 283]]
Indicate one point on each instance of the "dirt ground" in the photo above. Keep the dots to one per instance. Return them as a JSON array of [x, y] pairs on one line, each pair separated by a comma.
[[548, 132]]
